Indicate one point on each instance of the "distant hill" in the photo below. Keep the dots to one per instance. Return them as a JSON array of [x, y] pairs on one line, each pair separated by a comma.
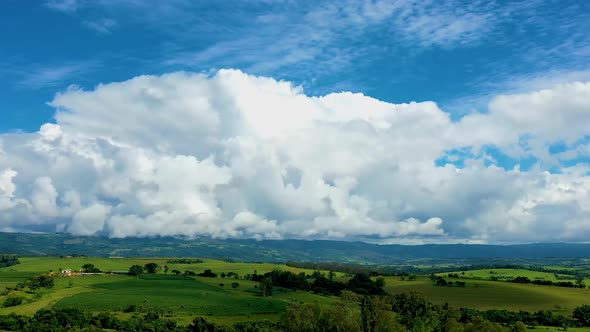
[[26, 244]]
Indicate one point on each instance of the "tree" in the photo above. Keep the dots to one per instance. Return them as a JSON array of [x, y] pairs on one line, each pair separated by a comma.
[[151, 268], [201, 325], [135, 270], [39, 281], [90, 268], [235, 285], [582, 315], [518, 327], [266, 286], [207, 273], [165, 268], [176, 272]]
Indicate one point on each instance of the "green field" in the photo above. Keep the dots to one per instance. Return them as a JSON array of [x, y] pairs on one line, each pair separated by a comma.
[[483, 294], [185, 299], [506, 274], [47, 264]]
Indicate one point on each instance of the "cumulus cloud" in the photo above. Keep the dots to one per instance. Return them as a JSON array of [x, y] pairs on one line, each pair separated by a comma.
[[234, 155]]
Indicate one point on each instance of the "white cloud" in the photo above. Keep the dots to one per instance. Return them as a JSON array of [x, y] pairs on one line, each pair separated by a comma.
[[90, 220], [234, 155], [526, 124]]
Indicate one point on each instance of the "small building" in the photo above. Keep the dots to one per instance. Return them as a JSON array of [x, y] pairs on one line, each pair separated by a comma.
[[66, 273]]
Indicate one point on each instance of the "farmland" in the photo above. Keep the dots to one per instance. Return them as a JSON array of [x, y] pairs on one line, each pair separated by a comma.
[[186, 298], [216, 299], [483, 294]]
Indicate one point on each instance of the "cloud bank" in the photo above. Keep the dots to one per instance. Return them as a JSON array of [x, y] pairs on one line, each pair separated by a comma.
[[234, 155]]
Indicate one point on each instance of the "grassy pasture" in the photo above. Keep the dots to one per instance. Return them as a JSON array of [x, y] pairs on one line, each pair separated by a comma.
[[505, 274], [186, 298], [205, 296], [10, 279], [46, 264], [483, 294]]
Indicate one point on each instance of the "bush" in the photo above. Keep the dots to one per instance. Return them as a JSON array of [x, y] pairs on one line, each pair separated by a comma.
[[130, 308], [165, 277], [135, 270], [207, 274], [235, 285], [13, 301], [8, 260]]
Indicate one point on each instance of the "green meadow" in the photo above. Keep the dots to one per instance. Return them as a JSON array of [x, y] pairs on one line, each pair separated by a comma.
[[484, 294], [214, 298], [506, 274], [217, 300]]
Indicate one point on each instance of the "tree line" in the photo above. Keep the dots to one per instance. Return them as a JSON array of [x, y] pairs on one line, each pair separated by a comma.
[[8, 260], [360, 283], [525, 280], [354, 313]]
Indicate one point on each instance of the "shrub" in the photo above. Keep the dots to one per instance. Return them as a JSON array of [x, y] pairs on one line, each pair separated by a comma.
[[13, 301]]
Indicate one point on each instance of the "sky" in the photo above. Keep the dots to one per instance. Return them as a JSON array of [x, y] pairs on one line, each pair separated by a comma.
[[382, 121]]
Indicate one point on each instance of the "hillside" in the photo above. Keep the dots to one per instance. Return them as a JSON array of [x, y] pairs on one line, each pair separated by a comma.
[[26, 244]]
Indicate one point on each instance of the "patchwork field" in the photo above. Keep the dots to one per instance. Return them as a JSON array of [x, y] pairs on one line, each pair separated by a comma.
[[182, 299], [217, 300]]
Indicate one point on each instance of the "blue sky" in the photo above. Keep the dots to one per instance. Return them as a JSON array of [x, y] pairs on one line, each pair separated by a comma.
[[448, 52], [511, 76]]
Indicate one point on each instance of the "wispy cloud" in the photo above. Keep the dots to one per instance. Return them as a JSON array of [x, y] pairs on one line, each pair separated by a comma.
[[104, 26], [66, 6], [38, 77]]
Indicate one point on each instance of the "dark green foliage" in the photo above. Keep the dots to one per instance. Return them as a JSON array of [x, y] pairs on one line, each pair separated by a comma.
[[287, 279], [13, 301], [545, 318], [135, 270], [235, 285], [403, 312], [176, 272], [184, 261], [40, 281], [266, 286], [67, 319], [207, 273], [130, 308], [259, 326], [151, 268], [201, 325], [90, 268], [524, 280], [323, 285], [362, 284], [8, 260], [440, 281], [582, 315], [165, 277]]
